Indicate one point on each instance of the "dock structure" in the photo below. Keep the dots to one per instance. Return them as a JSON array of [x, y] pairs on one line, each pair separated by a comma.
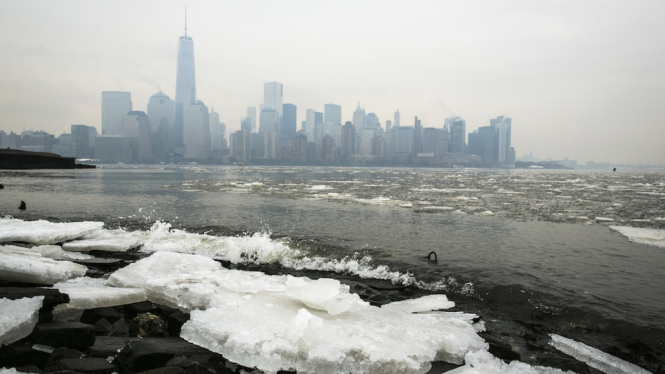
[[14, 159]]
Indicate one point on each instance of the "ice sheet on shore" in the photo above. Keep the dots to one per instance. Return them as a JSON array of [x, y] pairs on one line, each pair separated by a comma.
[[48, 251], [18, 318], [88, 293], [290, 323], [44, 232], [31, 265], [593, 357], [482, 362], [107, 240], [653, 237]]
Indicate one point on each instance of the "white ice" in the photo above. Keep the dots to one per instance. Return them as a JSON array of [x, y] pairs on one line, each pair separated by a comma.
[[88, 293], [18, 318], [10, 371], [594, 357], [32, 265], [48, 251], [289, 323], [423, 304], [482, 362], [107, 240], [44, 232], [642, 235]]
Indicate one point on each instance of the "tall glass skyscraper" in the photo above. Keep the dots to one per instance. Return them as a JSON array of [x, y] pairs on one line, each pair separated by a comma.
[[273, 96], [185, 83], [115, 106]]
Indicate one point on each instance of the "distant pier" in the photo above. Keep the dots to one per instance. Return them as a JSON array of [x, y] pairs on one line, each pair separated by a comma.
[[14, 159]]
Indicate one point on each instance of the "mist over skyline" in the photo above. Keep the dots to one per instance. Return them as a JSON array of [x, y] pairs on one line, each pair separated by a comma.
[[580, 80]]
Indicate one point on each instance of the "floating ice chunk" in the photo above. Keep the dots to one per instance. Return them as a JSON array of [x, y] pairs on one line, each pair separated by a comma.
[[30, 267], [487, 213], [107, 240], [18, 318], [438, 208], [594, 357], [642, 235], [44, 232], [88, 293], [422, 304], [482, 362], [604, 219], [406, 205], [320, 187]]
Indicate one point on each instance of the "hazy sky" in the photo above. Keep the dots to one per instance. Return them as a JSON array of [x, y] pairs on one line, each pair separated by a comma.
[[581, 79]]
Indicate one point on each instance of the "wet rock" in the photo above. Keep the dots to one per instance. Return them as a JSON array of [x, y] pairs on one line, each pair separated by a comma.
[[148, 325], [165, 370], [175, 322], [103, 327], [133, 310], [87, 365], [106, 346], [150, 353], [201, 364], [120, 328], [91, 316], [30, 369], [22, 206], [22, 353], [500, 349], [58, 354], [63, 334]]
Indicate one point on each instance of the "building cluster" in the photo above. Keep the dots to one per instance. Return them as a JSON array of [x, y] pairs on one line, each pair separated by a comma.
[[184, 130]]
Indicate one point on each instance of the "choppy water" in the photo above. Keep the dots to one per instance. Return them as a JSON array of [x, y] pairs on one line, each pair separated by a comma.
[[496, 233]]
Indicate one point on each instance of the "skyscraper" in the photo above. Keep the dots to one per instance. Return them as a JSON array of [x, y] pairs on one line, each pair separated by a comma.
[[332, 114], [251, 114], [185, 84], [273, 96], [417, 146], [396, 119], [115, 106], [457, 128], [359, 119], [289, 120]]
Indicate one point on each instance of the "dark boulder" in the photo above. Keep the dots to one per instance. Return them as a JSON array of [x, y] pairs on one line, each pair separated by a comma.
[[22, 353], [150, 353], [148, 325], [91, 316], [175, 322], [58, 354], [88, 365], [63, 334]]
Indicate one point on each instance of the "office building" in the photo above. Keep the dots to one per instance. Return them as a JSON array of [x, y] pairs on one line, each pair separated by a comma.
[[288, 122], [332, 114], [273, 96], [115, 106]]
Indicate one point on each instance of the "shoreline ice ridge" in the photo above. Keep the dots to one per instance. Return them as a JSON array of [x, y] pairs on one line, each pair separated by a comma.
[[291, 323]]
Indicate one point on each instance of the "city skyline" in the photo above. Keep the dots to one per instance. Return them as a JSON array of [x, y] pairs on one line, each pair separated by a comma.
[[590, 119]]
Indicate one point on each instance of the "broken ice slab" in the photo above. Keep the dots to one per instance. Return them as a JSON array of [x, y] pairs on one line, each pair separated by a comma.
[[653, 237], [30, 267], [422, 304], [44, 232], [107, 240], [482, 362], [593, 357], [288, 323], [18, 318], [89, 293], [48, 251]]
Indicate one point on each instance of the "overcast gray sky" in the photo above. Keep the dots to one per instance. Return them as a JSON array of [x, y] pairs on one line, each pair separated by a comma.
[[581, 79]]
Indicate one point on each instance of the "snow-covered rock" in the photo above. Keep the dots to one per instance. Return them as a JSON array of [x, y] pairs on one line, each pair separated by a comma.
[[44, 232], [18, 318]]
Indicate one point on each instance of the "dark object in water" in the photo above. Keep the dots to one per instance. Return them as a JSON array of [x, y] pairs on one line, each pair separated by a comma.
[[2, 186], [615, 169], [429, 257], [22, 206]]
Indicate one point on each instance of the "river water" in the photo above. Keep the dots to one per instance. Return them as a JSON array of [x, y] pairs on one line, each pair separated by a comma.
[[528, 243]]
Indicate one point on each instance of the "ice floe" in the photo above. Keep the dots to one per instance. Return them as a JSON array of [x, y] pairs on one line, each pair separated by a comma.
[[482, 362], [44, 232], [18, 318], [107, 240], [29, 265], [289, 323], [423, 304], [88, 293], [642, 235], [594, 357]]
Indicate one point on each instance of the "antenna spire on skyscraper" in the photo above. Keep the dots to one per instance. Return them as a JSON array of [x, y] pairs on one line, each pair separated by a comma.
[[185, 20]]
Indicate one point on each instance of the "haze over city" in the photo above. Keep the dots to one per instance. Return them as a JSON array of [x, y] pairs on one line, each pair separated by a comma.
[[580, 80]]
